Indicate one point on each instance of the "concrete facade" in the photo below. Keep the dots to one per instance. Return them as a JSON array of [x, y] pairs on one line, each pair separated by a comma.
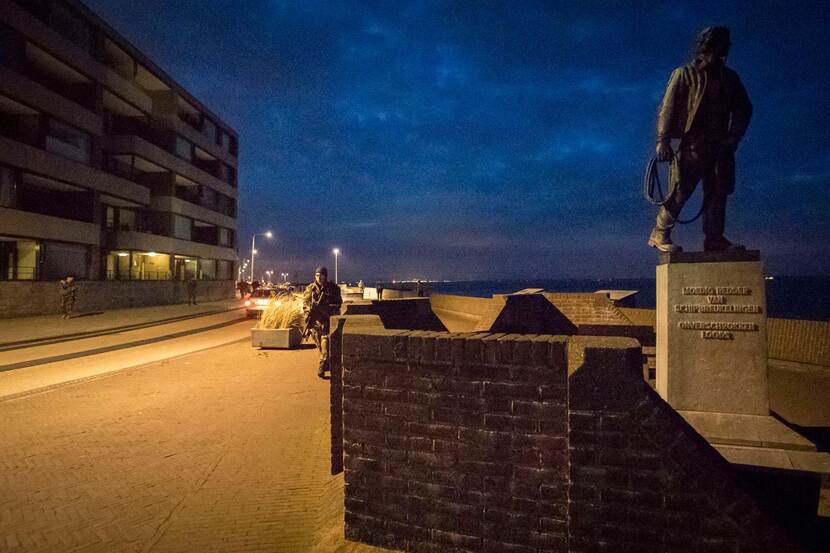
[[103, 155]]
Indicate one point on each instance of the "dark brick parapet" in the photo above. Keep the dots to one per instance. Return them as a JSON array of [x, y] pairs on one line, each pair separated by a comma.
[[529, 443]]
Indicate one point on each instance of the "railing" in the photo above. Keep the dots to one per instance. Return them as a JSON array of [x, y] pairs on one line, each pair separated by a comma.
[[139, 275], [20, 273]]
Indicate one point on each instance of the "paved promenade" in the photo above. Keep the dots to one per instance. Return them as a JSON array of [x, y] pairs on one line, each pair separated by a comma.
[[221, 450]]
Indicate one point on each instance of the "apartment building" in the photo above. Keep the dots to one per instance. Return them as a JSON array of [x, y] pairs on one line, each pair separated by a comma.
[[109, 170]]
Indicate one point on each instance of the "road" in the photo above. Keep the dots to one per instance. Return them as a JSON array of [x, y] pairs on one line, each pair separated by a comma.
[[25, 370], [225, 449]]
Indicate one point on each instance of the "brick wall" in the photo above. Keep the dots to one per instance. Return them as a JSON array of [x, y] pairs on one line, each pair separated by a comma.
[[525, 443], [641, 479], [455, 442], [799, 341], [21, 298]]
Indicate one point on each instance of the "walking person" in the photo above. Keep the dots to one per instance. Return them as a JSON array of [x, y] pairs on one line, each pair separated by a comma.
[[191, 291], [321, 300], [69, 294]]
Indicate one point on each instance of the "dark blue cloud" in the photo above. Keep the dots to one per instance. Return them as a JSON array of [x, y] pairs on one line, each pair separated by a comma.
[[489, 139]]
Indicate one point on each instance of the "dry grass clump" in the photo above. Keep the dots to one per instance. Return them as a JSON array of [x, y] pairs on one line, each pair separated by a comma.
[[282, 311]]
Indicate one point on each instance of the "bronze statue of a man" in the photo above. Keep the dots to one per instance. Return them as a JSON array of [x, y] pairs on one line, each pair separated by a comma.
[[708, 109]]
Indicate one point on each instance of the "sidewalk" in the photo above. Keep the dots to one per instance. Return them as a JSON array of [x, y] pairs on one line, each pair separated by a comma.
[[223, 451], [44, 327]]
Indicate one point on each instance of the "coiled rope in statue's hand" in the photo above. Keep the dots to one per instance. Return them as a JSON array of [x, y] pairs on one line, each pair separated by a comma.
[[651, 182]]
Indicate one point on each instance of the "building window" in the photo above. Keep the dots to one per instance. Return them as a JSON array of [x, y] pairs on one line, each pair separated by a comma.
[[109, 217], [207, 269], [185, 268], [182, 227], [72, 26], [62, 259], [118, 265], [19, 259], [184, 149], [8, 187], [55, 198], [224, 270], [69, 142], [209, 129], [150, 266], [224, 237], [126, 220]]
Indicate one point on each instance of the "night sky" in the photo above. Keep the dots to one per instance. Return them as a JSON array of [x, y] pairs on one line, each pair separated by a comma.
[[478, 140]]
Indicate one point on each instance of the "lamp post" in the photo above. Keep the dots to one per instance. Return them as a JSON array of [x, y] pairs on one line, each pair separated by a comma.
[[267, 234], [284, 277], [268, 274], [336, 252]]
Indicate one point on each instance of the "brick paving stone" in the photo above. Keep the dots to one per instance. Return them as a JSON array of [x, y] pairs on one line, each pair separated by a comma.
[[223, 450]]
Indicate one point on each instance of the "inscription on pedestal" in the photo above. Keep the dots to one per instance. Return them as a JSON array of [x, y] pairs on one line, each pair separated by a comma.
[[711, 336], [717, 302]]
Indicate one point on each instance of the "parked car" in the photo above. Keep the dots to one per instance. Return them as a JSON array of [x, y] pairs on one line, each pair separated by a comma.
[[258, 301]]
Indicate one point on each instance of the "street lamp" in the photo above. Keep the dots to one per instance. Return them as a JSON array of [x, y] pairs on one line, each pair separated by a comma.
[[266, 234], [336, 252], [284, 277], [269, 273]]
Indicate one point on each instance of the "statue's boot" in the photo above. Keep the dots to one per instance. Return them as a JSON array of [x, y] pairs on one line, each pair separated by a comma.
[[661, 239], [720, 244]]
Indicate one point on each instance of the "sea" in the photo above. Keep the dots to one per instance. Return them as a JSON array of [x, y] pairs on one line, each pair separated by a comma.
[[788, 297]]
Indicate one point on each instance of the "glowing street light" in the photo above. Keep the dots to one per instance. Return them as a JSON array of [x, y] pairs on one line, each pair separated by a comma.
[[284, 277], [267, 234], [268, 274], [336, 252]]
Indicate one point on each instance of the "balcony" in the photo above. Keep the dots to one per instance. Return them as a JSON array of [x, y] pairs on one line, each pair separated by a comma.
[[44, 36], [30, 158], [138, 145], [170, 204], [17, 88]]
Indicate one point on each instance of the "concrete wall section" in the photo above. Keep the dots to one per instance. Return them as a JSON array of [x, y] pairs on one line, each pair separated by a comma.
[[163, 244], [14, 222], [23, 298]]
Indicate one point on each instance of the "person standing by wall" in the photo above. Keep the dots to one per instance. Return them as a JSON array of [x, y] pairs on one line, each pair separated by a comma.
[[69, 294], [191, 291], [321, 300]]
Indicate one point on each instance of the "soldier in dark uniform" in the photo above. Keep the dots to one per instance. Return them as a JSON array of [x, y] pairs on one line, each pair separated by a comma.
[[708, 109], [321, 300], [69, 293]]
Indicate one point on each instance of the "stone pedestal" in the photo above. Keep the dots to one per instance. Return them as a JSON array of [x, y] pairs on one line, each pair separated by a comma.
[[711, 332]]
